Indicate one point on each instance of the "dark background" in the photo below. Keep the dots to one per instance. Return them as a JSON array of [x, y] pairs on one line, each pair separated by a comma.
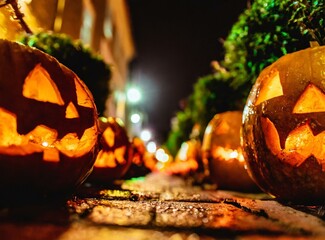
[[175, 42]]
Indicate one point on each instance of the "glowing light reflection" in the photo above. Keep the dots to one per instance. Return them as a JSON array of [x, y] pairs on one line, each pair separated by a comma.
[[151, 147], [145, 135], [135, 118], [161, 155], [228, 154]]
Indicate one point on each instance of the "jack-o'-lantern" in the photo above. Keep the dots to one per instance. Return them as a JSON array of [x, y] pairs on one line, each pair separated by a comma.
[[139, 149], [48, 126], [222, 151], [115, 152], [186, 159], [150, 161], [138, 167], [284, 127]]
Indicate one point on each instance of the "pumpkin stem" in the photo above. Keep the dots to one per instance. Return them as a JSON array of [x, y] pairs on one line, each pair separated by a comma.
[[314, 44], [18, 15]]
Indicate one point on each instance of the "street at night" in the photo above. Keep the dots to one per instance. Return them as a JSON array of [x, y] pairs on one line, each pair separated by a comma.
[[162, 120]]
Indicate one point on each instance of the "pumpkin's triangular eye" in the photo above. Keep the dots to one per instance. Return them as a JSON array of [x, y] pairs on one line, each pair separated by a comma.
[[271, 88], [311, 100], [109, 136], [39, 86], [71, 111]]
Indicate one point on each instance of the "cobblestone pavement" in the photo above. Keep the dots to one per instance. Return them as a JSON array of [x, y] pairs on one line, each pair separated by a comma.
[[162, 207]]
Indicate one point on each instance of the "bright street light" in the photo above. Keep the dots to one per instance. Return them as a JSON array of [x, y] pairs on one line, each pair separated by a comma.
[[133, 95], [135, 118], [145, 135], [161, 155], [151, 147]]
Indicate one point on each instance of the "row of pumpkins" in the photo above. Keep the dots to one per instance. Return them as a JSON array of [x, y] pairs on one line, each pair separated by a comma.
[[51, 139], [278, 142], [50, 134]]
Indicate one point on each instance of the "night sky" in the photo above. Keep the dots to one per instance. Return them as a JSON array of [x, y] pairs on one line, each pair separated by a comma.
[[175, 42]]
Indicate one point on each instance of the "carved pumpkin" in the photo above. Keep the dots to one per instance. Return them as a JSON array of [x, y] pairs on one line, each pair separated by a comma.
[[222, 151], [138, 167], [139, 149], [284, 127], [186, 159], [150, 161], [115, 152], [48, 127]]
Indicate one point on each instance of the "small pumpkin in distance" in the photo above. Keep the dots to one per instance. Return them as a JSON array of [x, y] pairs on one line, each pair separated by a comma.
[[222, 151], [284, 127], [48, 127], [186, 159], [115, 152], [138, 167]]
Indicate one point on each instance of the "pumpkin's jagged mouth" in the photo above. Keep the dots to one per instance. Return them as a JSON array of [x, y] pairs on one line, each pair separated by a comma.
[[300, 144], [42, 139]]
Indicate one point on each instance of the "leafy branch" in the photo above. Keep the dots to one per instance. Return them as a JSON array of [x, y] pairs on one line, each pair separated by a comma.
[[309, 16], [265, 31], [17, 14]]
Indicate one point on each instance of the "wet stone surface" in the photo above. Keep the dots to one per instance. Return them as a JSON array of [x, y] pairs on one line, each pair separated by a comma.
[[162, 207]]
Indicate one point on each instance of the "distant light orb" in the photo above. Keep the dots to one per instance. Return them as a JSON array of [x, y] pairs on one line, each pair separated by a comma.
[[145, 135], [151, 147], [161, 155], [183, 151], [133, 95], [135, 118]]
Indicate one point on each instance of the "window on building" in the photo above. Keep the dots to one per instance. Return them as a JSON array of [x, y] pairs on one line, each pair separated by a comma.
[[108, 26], [86, 27]]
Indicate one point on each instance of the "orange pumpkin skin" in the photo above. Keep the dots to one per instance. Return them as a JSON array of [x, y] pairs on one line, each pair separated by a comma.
[[115, 152], [284, 127], [48, 128], [222, 152]]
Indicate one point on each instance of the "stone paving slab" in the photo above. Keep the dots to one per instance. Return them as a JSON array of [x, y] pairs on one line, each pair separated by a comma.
[[230, 217], [162, 207]]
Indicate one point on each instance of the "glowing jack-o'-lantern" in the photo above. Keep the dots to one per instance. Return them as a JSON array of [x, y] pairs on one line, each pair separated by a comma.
[[139, 166], [186, 159], [284, 127], [48, 125], [115, 154], [222, 151]]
